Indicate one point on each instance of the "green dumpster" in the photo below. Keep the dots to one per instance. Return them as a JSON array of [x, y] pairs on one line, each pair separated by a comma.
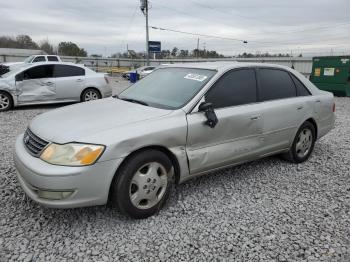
[[332, 73]]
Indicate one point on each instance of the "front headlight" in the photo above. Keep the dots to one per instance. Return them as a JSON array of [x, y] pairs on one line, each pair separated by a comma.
[[72, 154]]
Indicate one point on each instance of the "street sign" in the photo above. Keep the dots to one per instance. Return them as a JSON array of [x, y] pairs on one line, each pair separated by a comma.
[[154, 46]]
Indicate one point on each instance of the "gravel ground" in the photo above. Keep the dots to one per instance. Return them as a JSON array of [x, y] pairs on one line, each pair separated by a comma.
[[268, 210]]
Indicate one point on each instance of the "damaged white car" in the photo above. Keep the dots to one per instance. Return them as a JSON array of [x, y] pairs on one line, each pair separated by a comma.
[[56, 82]]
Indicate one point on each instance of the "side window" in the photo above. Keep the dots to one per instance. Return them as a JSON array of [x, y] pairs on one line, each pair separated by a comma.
[[52, 58], [67, 71], [301, 89], [43, 71], [234, 88], [39, 59], [275, 84]]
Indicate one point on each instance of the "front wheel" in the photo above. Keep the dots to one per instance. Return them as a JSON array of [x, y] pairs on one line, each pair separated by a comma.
[[5, 101], [90, 94], [142, 184], [303, 144]]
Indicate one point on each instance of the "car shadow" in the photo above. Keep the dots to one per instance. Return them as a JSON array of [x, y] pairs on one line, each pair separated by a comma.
[[45, 106]]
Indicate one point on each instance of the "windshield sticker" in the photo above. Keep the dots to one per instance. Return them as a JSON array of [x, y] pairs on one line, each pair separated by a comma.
[[196, 77]]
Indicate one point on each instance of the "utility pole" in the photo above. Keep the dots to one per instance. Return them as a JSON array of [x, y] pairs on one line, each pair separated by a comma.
[[144, 9], [198, 47]]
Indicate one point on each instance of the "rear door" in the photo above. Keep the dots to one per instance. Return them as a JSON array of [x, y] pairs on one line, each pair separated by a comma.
[[282, 109], [38, 84], [70, 81], [236, 137]]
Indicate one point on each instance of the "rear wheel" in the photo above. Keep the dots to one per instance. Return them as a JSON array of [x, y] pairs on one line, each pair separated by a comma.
[[90, 94], [303, 144], [142, 184], [5, 101]]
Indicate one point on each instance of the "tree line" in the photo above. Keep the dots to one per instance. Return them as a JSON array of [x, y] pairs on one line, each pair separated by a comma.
[[26, 42], [173, 53], [72, 49]]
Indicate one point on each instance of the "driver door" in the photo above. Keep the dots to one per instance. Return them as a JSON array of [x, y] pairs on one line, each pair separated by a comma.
[[237, 137], [37, 85]]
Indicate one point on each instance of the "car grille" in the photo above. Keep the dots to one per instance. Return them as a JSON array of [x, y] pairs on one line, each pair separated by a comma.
[[33, 143]]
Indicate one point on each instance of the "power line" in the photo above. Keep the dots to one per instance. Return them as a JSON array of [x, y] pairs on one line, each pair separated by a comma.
[[240, 40], [196, 34]]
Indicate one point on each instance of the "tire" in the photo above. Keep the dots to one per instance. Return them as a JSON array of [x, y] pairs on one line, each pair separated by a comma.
[[142, 184], [303, 144], [6, 102], [90, 94]]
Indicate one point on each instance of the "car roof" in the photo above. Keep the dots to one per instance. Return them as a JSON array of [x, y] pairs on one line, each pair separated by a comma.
[[50, 63], [223, 65]]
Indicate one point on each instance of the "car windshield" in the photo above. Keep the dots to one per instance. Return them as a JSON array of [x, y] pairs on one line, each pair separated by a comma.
[[29, 59], [168, 88]]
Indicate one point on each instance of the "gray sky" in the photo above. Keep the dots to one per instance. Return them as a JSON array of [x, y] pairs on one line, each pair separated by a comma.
[[106, 26]]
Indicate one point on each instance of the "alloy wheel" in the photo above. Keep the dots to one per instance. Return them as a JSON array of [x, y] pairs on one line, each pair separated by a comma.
[[304, 143], [148, 185], [91, 95], [4, 102]]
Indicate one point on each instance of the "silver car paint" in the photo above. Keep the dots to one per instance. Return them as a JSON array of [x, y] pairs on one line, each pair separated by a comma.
[[53, 90], [244, 133]]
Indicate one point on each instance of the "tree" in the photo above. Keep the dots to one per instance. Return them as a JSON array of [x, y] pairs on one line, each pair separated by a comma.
[[175, 51], [47, 47], [26, 42], [184, 53], [71, 49]]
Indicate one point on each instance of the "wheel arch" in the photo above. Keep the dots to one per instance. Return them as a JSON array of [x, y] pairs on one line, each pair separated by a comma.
[[313, 122], [162, 149]]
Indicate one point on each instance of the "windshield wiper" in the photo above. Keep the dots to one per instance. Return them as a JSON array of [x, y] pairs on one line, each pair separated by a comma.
[[132, 100]]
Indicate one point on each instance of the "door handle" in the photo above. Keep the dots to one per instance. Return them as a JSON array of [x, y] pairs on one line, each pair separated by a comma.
[[47, 84], [300, 107], [255, 118], [79, 80]]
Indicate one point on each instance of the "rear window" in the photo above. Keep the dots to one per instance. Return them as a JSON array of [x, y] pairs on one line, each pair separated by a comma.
[[301, 89], [52, 58], [67, 71], [275, 84]]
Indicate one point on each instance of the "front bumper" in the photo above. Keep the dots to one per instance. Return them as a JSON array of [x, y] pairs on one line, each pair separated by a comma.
[[90, 184]]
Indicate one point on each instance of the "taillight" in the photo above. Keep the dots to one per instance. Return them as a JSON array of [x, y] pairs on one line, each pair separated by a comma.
[[333, 107], [106, 78]]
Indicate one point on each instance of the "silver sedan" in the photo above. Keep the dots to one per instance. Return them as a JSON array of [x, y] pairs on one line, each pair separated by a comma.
[[179, 122], [51, 82]]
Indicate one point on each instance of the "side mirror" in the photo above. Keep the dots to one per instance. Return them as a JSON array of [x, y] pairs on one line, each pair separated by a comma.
[[19, 77], [204, 106], [209, 112]]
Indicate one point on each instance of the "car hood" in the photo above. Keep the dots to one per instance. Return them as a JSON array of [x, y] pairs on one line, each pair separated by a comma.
[[13, 63], [73, 123]]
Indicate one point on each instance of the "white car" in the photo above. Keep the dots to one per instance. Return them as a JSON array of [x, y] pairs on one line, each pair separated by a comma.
[[141, 71], [54, 82], [36, 59]]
